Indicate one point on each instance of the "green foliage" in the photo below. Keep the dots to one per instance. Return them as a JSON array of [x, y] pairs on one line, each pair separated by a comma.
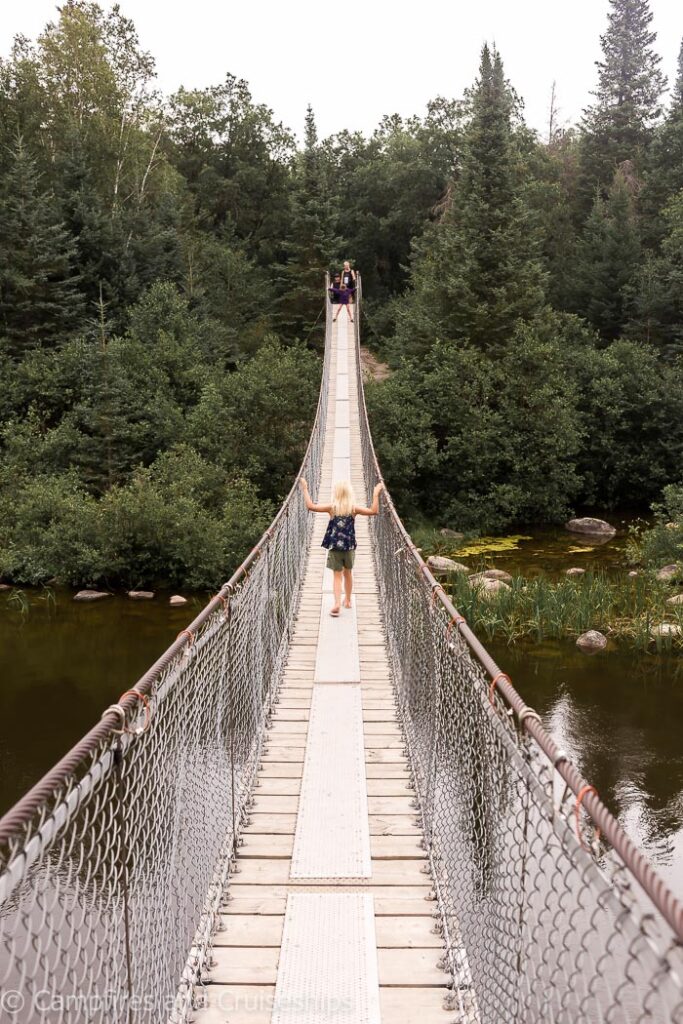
[[257, 420], [475, 273], [619, 126], [180, 521], [161, 275], [608, 259], [480, 443], [663, 543], [39, 302]]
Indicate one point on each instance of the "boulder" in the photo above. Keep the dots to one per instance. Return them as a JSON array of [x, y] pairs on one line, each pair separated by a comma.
[[5, 586], [487, 588], [141, 595], [451, 534], [592, 641], [90, 595], [633, 573], [678, 599], [666, 629], [176, 601], [440, 564], [590, 526], [575, 571], [491, 574], [668, 572]]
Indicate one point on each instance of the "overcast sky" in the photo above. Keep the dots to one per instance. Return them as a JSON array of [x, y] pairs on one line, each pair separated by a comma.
[[389, 57]]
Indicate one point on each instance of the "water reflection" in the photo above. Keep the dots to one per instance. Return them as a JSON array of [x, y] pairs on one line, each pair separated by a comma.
[[61, 664], [620, 717]]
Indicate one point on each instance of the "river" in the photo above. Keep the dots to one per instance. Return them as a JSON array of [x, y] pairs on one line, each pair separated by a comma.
[[619, 714]]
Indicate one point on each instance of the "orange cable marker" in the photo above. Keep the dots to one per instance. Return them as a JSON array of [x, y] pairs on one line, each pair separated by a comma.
[[187, 633], [492, 687], [145, 700], [454, 621], [577, 809]]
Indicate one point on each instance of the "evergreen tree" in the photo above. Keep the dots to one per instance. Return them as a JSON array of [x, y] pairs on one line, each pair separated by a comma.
[[608, 259], [619, 125], [658, 316], [665, 177], [39, 300], [314, 244], [476, 272]]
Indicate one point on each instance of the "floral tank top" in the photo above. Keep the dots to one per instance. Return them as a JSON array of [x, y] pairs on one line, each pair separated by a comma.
[[340, 534]]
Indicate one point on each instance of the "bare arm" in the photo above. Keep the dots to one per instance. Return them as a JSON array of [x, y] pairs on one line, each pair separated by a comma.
[[360, 510], [307, 498]]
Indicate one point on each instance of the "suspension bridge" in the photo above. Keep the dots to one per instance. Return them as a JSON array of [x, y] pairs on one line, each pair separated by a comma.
[[297, 818]]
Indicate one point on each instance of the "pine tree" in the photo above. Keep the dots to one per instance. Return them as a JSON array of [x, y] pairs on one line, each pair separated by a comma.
[[475, 273], [608, 259], [314, 244], [658, 302], [665, 173], [39, 300], [619, 126]]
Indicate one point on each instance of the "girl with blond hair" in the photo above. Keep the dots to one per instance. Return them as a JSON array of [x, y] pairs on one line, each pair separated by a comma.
[[340, 536]]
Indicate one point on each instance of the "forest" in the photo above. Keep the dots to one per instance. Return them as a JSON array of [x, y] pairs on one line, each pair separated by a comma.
[[161, 302]]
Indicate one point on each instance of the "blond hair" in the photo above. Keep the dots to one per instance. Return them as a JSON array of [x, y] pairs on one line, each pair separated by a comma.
[[343, 499]]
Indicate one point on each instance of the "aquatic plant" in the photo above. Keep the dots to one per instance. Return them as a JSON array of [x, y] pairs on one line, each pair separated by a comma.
[[542, 609]]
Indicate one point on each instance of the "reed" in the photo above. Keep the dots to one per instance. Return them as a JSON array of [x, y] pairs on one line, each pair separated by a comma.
[[542, 609]]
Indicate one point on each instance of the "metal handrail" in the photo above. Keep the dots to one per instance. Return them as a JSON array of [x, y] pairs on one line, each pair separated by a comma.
[[670, 907]]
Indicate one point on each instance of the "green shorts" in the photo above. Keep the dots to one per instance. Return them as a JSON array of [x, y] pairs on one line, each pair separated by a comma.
[[338, 560]]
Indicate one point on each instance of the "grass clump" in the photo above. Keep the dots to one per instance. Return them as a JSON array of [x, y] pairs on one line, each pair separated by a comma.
[[540, 609]]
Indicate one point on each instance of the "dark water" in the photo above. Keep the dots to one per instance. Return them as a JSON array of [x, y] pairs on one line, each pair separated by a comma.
[[620, 718], [619, 714], [61, 663]]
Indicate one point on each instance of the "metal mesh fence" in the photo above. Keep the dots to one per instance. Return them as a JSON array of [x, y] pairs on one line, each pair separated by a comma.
[[112, 869], [543, 923]]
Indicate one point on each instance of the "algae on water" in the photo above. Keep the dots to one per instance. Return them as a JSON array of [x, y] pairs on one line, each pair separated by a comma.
[[490, 545]]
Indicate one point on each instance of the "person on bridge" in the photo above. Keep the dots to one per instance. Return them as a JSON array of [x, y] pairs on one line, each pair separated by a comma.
[[349, 278], [342, 296], [340, 536]]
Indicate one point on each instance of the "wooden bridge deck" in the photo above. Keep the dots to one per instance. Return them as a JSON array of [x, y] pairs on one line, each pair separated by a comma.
[[324, 650]]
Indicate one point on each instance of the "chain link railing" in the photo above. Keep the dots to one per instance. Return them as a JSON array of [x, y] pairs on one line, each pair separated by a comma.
[[543, 922], [113, 868]]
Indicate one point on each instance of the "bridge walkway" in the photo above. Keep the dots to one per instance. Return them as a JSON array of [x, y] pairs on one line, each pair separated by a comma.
[[328, 916]]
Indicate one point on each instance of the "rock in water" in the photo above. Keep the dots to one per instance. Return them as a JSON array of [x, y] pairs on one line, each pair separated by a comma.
[[177, 600], [451, 534], [5, 586], [487, 588], [575, 571], [678, 599], [668, 572], [592, 641], [438, 563], [141, 595], [666, 629], [590, 526], [90, 595], [491, 574]]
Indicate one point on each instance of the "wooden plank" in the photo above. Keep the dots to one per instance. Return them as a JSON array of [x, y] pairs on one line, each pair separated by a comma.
[[389, 905], [397, 965], [273, 871]]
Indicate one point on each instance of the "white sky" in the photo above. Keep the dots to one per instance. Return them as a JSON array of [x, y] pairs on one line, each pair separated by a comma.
[[355, 62]]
